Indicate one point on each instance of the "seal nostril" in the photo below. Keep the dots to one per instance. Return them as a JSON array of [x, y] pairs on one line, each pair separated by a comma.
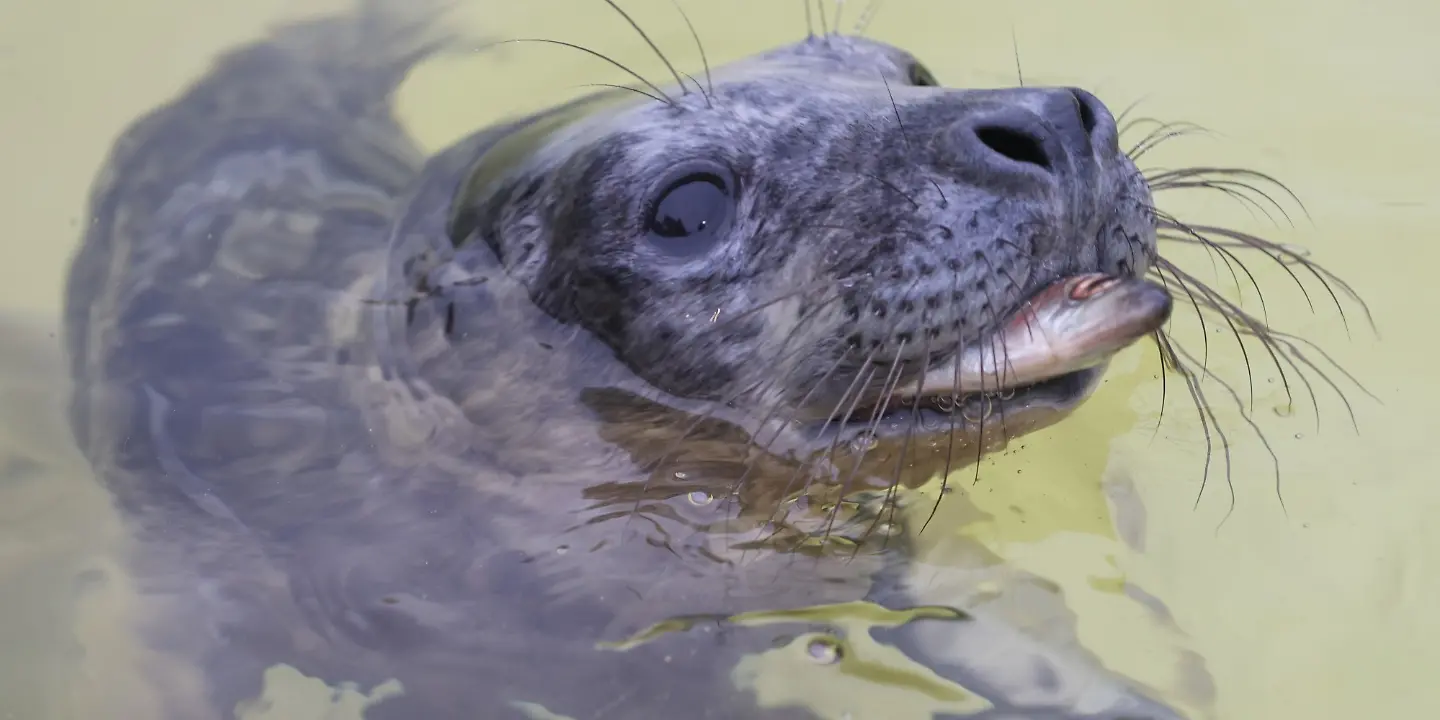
[[1014, 145]]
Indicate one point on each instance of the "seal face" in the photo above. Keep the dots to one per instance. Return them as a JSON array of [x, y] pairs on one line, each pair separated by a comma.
[[459, 420], [819, 218]]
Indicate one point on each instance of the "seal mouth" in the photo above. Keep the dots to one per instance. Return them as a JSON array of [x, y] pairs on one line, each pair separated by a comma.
[[1048, 356]]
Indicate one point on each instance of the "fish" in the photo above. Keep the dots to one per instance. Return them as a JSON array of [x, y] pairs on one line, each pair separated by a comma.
[[1073, 325]]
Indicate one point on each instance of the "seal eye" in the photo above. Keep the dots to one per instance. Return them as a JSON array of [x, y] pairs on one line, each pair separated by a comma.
[[920, 76], [688, 216]]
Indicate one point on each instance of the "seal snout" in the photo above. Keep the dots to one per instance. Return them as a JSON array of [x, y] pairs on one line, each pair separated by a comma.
[[1024, 131]]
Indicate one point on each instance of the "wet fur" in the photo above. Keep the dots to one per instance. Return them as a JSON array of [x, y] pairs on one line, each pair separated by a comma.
[[345, 422]]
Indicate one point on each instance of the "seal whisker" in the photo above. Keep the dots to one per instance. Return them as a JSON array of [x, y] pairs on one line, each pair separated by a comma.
[[760, 386], [1234, 189], [1290, 338], [955, 394], [866, 438], [891, 500], [1163, 179], [1202, 179], [995, 320], [1171, 229], [852, 394], [915, 420], [769, 414], [646, 37], [1281, 344], [1015, 45], [905, 137], [709, 90], [824, 283], [984, 413], [1162, 132], [1209, 423], [775, 514], [1249, 419], [1120, 118], [839, 362], [614, 86], [1327, 279], [889, 185], [1231, 313], [1161, 265], [862, 379], [1158, 137], [1159, 337], [866, 16], [667, 99]]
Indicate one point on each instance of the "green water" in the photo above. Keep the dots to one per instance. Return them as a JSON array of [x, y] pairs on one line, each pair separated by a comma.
[[1312, 611]]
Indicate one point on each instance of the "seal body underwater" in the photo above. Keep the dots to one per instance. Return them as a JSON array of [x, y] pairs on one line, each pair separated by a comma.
[[459, 420]]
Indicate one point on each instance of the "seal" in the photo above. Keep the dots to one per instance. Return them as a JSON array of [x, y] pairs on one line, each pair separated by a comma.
[[454, 421]]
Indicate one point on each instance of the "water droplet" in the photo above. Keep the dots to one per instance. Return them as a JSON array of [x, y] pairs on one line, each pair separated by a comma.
[[1285, 410], [699, 499], [824, 650], [1299, 436]]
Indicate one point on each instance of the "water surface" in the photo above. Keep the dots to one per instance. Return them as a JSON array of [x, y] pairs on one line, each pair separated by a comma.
[[1242, 609]]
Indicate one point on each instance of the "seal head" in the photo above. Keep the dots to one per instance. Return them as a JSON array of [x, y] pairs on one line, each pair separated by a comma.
[[816, 227]]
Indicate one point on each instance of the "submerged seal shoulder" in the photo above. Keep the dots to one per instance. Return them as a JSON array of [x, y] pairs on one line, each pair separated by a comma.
[[456, 420]]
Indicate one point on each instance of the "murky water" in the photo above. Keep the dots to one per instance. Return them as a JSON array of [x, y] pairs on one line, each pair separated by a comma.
[[1232, 608]]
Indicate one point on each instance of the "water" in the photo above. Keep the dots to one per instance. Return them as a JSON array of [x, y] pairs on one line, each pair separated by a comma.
[[1313, 610]]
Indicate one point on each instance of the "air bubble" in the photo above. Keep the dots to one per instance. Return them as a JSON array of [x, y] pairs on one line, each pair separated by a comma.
[[824, 650], [978, 412], [700, 499], [681, 475]]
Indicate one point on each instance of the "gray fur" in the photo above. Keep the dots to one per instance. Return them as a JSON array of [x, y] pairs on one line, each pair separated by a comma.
[[376, 416]]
